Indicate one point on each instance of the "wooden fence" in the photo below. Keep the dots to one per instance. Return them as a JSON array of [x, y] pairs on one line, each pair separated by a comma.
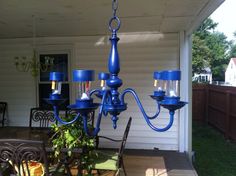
[[216, 105]]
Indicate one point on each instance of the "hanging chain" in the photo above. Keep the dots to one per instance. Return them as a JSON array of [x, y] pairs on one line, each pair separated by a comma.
[[115, 20], [114, 7]]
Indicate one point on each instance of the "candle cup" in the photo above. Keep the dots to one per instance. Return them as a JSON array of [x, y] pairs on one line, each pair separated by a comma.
[[103, 77], [159, 83], [172, 88], [84, 79], [84, 104], [171, 79], [56, 78], [55, 98], [84, 89]]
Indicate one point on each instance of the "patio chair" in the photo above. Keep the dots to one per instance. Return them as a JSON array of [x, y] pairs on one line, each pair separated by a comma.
[[25, 157], [108, 160], [41, 118], [3, 107]]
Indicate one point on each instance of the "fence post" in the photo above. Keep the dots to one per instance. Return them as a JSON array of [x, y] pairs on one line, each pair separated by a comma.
[[207, 102], [227, 118]]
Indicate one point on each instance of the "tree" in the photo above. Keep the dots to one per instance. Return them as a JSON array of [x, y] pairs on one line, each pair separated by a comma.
[[219, 59], [205, 28], [200, 50], [210, 50], [232, 52], [200, 53]]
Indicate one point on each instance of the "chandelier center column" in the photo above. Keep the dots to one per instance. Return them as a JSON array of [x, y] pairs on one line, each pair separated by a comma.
[[114, 68]]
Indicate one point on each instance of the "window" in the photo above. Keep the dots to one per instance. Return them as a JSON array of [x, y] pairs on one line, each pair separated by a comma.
[[59, 64], [203, 78]]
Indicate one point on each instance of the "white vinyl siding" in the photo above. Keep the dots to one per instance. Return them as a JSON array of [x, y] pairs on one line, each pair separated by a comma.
[[16, 88], [140, 55]]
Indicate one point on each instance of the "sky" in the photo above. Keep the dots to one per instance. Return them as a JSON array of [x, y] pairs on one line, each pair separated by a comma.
[[225, 16]]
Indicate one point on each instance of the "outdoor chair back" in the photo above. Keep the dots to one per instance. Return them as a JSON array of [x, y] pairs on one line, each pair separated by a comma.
[[26, 157], [3, 107], [41, 118], [110, 160], [123, 143]]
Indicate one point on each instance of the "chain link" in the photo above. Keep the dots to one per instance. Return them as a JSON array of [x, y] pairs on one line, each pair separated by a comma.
[[114, 7], [114, 20]]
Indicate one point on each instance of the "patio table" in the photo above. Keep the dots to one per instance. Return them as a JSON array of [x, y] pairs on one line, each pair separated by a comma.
[[27, 133], [30, 133], [34, 133]]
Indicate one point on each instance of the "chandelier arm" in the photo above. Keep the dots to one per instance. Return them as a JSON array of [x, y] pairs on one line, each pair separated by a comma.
[[95, 131], [28, 65], [105, 113], [23, 65], [43, 67], [94, 91], [20, 69], [56, 114], [167, 127], [129, 90]]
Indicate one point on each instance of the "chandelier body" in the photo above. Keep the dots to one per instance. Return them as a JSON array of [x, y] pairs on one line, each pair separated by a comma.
[[113, 101]]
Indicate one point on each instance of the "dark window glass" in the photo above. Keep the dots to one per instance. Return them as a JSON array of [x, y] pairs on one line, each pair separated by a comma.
[[44, 92]]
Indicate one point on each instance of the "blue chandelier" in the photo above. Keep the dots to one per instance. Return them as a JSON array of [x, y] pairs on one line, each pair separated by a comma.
[[166, 93]]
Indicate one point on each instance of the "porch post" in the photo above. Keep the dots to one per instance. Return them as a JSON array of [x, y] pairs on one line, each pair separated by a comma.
[[185, 117]]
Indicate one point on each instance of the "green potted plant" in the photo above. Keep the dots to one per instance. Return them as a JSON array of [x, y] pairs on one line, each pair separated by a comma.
[[71, 137]]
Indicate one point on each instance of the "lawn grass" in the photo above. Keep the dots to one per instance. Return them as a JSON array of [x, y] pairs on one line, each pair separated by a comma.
[[214, 156]]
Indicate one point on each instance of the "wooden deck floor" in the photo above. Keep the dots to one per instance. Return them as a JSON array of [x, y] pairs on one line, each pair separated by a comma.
[[157, 163]]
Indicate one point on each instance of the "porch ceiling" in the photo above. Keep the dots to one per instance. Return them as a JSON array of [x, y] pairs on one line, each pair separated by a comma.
[[90, 17]]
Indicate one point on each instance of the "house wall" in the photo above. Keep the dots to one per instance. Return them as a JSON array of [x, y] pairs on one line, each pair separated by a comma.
[[140, 54], [230, 73], [16, 88], [202, 77]]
